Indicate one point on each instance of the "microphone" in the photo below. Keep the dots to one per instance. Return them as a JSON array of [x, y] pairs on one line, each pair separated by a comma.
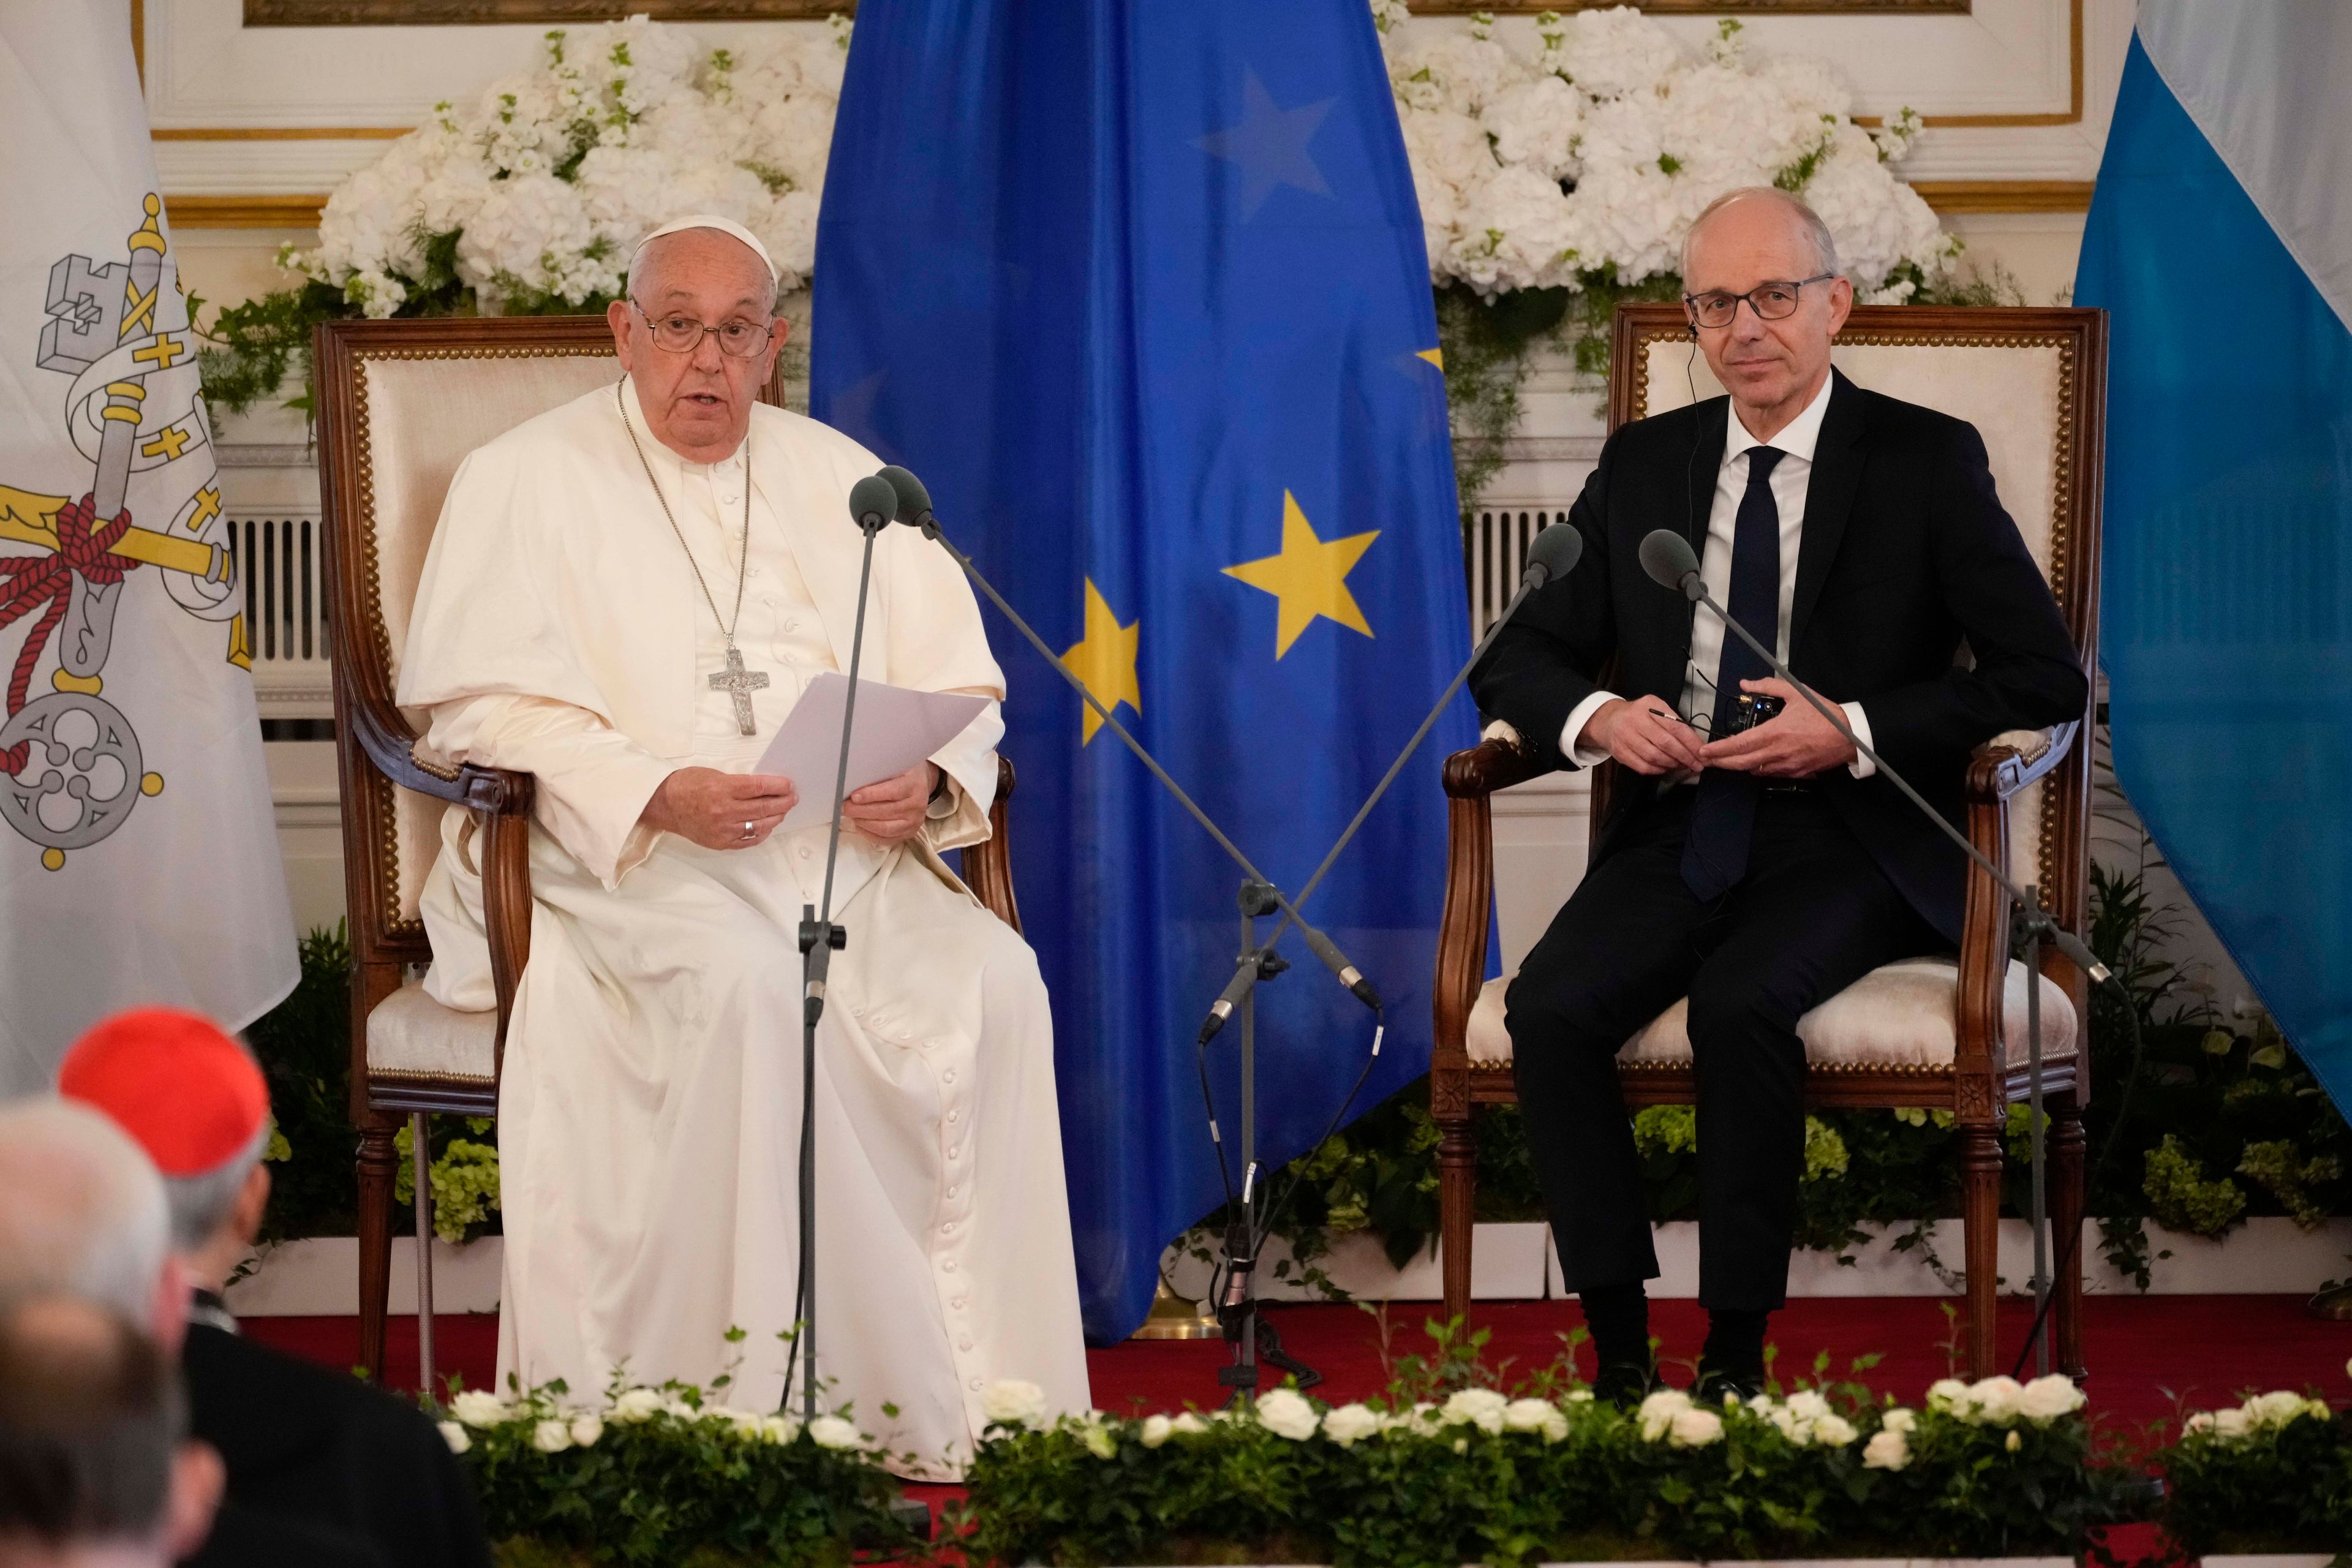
[[914, 498], [1671, 563], [874, 503], [1554, 554], [1667, 557]]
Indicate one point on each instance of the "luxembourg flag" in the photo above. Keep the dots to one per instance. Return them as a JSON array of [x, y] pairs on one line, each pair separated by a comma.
[[2221, 240]]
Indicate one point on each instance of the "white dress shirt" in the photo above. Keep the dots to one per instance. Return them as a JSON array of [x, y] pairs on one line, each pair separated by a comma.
[[1790, 481]]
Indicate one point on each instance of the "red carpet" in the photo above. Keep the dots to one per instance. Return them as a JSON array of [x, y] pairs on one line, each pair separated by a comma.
[[2148, 1356]]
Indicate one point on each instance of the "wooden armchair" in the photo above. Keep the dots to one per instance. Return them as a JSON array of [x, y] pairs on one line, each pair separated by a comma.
[[399, 405], [1926, 1032]]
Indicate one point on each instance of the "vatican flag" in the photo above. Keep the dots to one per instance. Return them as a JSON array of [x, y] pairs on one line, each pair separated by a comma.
[[138, 863]]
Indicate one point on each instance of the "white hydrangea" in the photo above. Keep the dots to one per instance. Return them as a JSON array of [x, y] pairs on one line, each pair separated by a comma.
[[552, 174], [1595, 149]]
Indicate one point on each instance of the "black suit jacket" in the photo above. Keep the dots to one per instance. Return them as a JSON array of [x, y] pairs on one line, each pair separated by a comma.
[[1906, 553], [318, 1449]]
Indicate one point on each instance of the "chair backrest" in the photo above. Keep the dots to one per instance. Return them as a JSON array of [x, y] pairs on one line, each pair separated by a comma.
[[400, 404], [2034, 383]]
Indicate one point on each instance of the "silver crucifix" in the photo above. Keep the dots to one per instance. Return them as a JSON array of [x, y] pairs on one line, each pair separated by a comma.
[[740, 683]]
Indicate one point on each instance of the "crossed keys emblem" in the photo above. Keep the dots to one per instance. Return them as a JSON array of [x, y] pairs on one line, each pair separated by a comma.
[[71, 768]]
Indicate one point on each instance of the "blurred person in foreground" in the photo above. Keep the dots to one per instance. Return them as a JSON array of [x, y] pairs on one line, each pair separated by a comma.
[[96, 1468], [302, 1442], [82, 1214]]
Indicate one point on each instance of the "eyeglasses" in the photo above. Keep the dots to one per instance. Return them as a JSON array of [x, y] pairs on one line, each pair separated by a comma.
[[682, 334], [1770, 302]]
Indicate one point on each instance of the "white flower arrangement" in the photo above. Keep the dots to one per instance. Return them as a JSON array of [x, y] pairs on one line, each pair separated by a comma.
[[1286, 1412], [2003, 1402], [1589, 156], [550, 176], [1013, 1402], [2264, 1413]]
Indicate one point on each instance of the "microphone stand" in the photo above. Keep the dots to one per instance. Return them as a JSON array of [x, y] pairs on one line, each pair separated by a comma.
[[820, 939], [2032, 927]]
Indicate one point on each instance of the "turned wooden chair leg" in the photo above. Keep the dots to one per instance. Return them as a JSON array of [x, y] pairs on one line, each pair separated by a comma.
[[1979, 1156], [2066, 1203], [379, 1162], [1458, 1193]]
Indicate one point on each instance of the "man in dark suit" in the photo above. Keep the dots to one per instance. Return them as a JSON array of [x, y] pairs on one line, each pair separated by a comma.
[[307, 1449], [1758, 873]]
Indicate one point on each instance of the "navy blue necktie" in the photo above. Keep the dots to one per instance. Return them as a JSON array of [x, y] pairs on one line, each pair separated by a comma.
[[1723, 818]]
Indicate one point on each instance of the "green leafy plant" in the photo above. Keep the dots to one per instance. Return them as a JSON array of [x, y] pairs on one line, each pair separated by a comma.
[[2273, 1475], [464, 1178], [304, 1046]]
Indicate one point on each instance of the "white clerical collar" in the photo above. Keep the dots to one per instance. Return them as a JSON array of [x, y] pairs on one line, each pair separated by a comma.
[[1797, 439], [669, 461]]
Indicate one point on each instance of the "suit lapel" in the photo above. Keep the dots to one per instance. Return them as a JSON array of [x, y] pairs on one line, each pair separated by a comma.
[[1829, 500], [825, 544]]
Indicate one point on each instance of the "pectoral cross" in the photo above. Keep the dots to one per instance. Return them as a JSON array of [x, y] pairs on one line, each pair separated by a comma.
[[740, 683]]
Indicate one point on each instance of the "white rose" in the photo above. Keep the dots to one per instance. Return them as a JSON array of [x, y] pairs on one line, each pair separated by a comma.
[[1479, 1408], [2199, 1421], [552, 1436], [2047, 1399], [1013, 1402], [1834, 1430], [1657, 1413], [779, 1430], [634, 1404], [1899, 1420], [1286, 1412], [2230, 1424], [1157, 1430], [1535, 1415], [2014, 1441], [1102, 1441], [1887, 1450], [2273, 1409], [586, 1428], [833, 1432], [1946, 1394], [1806, 1405], [477, 1408], [1694, 1428], [1350, 1423], [457, 1436], [1992, 1401], [1189, 1424]]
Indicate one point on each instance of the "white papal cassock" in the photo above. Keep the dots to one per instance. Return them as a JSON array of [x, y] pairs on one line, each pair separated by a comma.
[[649, 1116]]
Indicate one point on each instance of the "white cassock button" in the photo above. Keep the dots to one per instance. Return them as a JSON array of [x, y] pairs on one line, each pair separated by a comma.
[[954, 1117], [807, 853], [975, 1385], [965, 1343], [947, 1229], [953, 1149], [952, 1190], [957, 1303], [947, 1077], [949, 1265]]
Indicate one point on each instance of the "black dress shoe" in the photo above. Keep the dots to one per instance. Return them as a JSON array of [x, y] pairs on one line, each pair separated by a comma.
[[1623, 1383], [1718, 1385]]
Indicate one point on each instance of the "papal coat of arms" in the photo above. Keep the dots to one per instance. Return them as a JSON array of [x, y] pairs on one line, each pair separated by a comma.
[[71, 770]]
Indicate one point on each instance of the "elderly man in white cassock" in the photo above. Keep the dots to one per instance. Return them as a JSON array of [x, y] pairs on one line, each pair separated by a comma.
[[597, 575]]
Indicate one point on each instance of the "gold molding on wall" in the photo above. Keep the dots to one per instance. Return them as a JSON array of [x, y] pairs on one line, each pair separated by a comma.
[[1944, 195], [243, 212]]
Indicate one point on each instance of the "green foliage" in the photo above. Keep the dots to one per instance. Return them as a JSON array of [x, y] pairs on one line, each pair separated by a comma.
[[2271, 1485], [1443, 1471], [304, 1046], [464, 1178], [2181, 1196], [683, 1483]]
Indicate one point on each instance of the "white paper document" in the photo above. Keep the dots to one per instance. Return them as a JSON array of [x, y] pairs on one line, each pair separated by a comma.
[[895, 728]]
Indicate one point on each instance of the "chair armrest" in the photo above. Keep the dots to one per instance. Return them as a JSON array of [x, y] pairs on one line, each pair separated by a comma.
[[2008, 762], [988, 865], [1489, 766]]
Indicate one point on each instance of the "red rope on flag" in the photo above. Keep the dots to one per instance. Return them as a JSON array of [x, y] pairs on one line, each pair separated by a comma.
[[30, 581]]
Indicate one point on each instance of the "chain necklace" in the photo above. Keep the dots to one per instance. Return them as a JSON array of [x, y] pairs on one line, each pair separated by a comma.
[[735, 680]]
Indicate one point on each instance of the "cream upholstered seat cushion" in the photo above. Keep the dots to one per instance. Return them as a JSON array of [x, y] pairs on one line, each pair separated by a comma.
[[410, 1033], [1899, 1015]]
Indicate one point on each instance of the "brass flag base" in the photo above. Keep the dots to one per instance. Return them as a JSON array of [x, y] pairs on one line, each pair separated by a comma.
[[1174, 1317]]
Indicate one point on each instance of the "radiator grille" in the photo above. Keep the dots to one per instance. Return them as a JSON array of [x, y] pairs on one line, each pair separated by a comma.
[[281, 567], [1493, 547]]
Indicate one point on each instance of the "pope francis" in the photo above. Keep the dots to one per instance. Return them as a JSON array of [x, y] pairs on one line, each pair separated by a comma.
[[624, 597]]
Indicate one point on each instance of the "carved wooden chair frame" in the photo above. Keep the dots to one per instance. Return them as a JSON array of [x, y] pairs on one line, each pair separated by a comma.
[[1978, 1086], [376, 757]]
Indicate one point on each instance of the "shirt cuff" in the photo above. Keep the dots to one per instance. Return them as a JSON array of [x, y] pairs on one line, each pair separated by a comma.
[[1571, 734], [1861, 767]]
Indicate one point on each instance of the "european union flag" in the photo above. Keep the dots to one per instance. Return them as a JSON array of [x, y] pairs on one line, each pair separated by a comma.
[[1139, 288]]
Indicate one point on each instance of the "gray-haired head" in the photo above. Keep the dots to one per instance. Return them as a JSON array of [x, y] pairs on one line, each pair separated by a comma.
[[643, 259], [1817, 233], [201, 1204], [82, 1211]]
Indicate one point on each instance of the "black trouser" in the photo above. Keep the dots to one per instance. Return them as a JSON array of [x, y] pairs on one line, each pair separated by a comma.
[[1814, 914]]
